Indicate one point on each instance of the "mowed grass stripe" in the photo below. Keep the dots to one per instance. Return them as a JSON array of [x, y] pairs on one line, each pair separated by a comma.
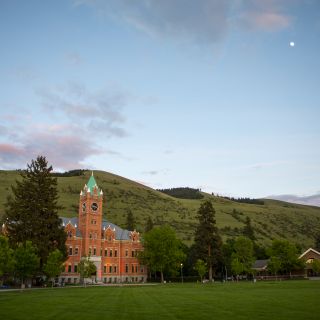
[[263, 300]]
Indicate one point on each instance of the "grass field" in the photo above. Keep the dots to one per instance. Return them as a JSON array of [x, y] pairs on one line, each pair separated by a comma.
[[263, 300], [274, 219]]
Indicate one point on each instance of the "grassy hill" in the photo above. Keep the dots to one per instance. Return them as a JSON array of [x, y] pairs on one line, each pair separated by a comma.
[[274, 219]]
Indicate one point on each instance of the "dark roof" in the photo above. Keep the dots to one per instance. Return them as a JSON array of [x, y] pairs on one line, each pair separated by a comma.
[[120, 234], [260, 264]]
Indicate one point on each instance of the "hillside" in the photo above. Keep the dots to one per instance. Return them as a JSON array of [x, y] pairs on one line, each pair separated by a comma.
[[274, 219]]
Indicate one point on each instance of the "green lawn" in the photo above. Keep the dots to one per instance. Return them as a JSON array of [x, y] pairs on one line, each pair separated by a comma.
[[267, 300]]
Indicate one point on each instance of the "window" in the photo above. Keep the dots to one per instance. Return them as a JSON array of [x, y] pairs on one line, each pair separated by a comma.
[[90, 251], [69, 234], [141, 269], [115, 253], [126, 253], [105, 269], [110, 253], [127, 268], [110, 269], [69, 268], [132, 254], [105, 252], [94, 251], [75, 268], [100, 251], [136, 269], [90, 235], [115, 269], [70, 251], [76, 250]]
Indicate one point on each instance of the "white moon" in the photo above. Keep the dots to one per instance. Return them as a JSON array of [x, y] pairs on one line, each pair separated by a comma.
[[291, 44]]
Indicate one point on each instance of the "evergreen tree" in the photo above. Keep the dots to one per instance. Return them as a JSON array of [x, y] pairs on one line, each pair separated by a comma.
[[317, 242], [248, 230], [32, 212], [131, 223], [208, 243], [149, 225]]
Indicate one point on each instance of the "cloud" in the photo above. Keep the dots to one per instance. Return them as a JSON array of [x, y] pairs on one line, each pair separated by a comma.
[[151, 172], [200, 21], [73, 58], [99, 111], [71, 125], [268, 15], [263, 165]]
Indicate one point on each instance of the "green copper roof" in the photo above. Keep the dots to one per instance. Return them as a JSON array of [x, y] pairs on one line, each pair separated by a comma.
[[92, 183]]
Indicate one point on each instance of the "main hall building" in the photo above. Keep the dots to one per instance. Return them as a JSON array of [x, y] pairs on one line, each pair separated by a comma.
[[112, 249]]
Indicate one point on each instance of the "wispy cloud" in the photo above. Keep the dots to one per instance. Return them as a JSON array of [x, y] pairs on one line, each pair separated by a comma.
[[78, 125], [263, 165], [151, 172], [201, 21], [268, 15], [99, 111]]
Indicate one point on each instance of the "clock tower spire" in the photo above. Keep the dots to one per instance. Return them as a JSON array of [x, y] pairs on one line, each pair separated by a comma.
[[90, 217]]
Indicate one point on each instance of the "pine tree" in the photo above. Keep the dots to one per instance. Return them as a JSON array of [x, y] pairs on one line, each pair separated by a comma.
[[130, 221], [208, 242], [149, 225], [32, 212], [248, 230]]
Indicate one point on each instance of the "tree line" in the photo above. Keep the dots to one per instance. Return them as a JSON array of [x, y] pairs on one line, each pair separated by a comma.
[[183, 193]]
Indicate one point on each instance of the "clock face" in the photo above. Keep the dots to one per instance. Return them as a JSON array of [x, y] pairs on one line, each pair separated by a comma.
[[84, 207], [94, 206]]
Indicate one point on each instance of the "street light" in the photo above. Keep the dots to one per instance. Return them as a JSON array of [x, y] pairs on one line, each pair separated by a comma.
[[181, 265]]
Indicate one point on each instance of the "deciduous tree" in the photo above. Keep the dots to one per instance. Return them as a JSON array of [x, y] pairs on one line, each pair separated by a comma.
[[201, 268], [27, 261], [7, 261], [86, 269], [162, 251], [54, 265], [242, 255], [287, 254]]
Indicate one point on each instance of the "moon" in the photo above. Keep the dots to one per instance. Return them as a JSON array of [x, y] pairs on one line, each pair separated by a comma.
[[292, 44]]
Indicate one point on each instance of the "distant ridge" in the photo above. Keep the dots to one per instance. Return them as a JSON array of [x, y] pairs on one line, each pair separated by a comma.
[[313, 200]]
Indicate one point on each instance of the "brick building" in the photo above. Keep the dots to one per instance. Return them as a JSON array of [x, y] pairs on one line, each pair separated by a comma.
[[112, 249]]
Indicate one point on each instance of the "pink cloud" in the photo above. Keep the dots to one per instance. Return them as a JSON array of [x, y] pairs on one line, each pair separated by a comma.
[[266, 21], [9, 149]]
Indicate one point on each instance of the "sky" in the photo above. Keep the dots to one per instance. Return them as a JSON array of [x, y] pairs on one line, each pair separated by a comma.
[[218, 95]]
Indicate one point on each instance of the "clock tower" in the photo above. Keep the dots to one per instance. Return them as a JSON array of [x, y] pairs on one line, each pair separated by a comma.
[[90, 219]]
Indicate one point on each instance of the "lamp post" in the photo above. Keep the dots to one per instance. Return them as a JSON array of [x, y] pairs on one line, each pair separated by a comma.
[[181, 265]]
